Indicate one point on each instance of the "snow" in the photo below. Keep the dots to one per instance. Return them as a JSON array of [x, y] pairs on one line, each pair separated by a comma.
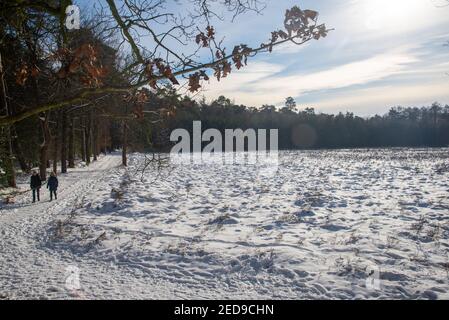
[[347, 224]]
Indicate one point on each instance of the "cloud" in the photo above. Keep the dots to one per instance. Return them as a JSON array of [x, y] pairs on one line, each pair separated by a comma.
[[354, 73], [238, 82], [380, 99], [376, 44], [263, 83]]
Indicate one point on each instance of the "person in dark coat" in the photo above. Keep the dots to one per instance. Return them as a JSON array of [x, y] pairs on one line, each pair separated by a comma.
[[35, 184], [52, 185]]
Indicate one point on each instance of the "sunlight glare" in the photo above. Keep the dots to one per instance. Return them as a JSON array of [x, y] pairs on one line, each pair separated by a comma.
[[396, 14]]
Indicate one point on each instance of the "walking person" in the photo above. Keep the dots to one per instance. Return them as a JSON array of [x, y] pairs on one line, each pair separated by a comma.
[[52, 185], [35, 184]]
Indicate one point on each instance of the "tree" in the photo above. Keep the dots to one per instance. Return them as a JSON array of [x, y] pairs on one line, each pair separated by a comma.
[[8, 160], [290, 104], [72, 93], [145, 66]]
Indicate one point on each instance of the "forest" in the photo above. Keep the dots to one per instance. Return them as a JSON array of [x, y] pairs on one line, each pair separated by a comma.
[[69, 95], [304, 128]]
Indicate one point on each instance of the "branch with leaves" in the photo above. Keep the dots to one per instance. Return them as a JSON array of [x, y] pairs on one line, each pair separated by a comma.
[[162, 64]]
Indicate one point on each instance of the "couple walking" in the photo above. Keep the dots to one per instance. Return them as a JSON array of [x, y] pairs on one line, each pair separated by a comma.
[[36, 184]]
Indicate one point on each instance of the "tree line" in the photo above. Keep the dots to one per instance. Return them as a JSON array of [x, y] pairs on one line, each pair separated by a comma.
[[304, 128]]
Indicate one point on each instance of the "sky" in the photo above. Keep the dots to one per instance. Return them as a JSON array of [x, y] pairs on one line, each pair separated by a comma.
[[381, 54]]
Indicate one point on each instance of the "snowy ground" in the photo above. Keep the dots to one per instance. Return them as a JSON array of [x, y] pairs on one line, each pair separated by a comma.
[[328, 225]]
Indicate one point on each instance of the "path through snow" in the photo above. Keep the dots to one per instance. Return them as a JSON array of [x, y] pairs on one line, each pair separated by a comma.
[[29, 269]]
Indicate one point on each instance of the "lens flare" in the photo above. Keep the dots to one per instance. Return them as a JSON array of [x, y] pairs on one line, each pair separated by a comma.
[[397, 14]]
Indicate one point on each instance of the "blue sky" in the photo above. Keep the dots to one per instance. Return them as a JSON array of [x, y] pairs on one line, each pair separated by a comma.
[[382, 53]]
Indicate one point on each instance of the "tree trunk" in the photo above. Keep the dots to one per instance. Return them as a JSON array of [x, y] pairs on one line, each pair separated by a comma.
[[125, 144], [56, 146], [44, 117], [88, 130], [95, 137], [63, 141], [10, 170], [43, 162], [71, 143], [83, 140], [45, 131], [24, 166], [105, 146]]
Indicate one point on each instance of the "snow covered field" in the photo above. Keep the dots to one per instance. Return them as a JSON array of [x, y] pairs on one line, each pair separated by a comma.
[[328, 225]]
